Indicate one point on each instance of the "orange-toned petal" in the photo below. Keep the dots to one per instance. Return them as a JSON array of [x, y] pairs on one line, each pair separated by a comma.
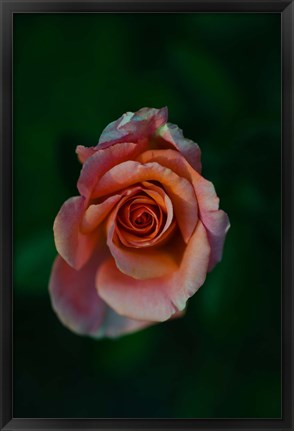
[[130, 232], [163, 200], [173, 135], [159, 298], [157, 231], [75, 247], [193, 269], [136, 299], [103, 160], [140, 263], [96, 213], [139, 217], [216, 221], [159, 195], [179, 189]]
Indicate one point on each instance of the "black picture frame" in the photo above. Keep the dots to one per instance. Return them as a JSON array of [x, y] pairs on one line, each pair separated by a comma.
[[286, 9]]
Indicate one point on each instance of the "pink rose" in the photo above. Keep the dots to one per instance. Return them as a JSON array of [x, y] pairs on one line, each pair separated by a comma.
[[143, 233]]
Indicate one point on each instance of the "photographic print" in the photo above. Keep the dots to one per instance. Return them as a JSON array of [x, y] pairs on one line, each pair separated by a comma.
[[74, 74]]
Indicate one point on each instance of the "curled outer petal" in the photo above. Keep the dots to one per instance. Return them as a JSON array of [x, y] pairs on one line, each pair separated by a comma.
[[163, 297], [76, 302], [129, 128], [102, 161], [146, 124], [173, 135]]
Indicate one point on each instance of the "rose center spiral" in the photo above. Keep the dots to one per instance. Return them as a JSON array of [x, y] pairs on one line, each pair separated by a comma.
[[139, 221], [141, 217]]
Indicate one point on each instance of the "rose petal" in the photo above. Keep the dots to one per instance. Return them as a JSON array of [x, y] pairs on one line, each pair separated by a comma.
[[96, 213], [138, 235], [71, 243], [149, 240], [74, 297], [85, 152], [163, 200], [139, 207], [216, 221], [115, 130], [141, 263], [159, 299], [103, 160], [132, 127], [159, 196], [179, 189], [79, 307], [115, 325], [172, 134]]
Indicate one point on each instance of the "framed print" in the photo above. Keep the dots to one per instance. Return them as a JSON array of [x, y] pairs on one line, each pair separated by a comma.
[[146, 215]]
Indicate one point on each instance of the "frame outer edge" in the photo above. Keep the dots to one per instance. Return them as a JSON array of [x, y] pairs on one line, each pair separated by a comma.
[[287, 215], [6, 421], [147, 5], [6, 218], [291, 143]]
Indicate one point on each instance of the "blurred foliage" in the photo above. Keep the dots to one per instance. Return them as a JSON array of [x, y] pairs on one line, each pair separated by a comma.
[[219, 75]]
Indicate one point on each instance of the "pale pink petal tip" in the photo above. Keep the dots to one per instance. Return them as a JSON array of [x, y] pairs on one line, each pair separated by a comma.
[[219, 227], [132, 127], [173, 135], [84, 153]]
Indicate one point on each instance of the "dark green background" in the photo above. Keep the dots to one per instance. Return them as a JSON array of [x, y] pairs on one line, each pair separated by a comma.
[[219, 75]]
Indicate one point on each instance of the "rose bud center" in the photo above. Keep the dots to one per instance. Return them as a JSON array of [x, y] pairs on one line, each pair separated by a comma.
[[140, 220]]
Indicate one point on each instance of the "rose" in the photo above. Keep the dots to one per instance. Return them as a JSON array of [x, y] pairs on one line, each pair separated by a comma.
[[142, 235]]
